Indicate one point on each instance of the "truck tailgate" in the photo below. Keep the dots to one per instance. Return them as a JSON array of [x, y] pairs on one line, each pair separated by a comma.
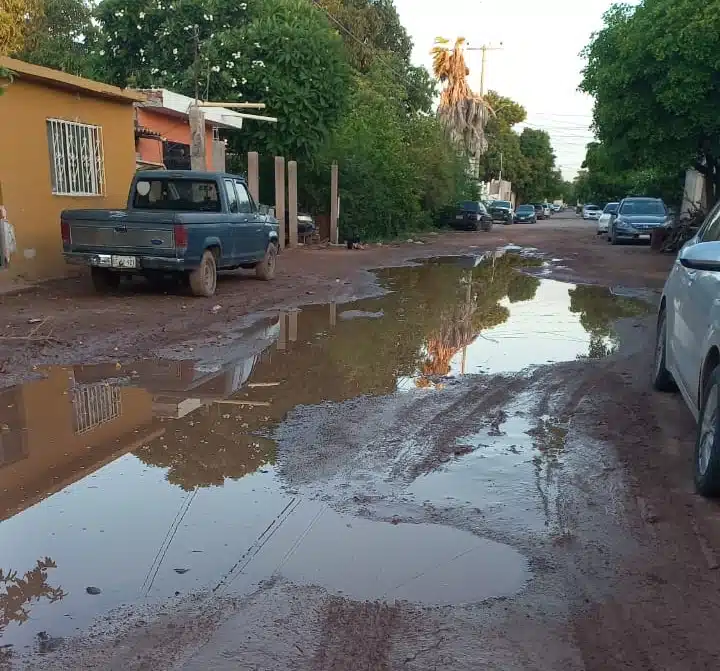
[[118, 232]]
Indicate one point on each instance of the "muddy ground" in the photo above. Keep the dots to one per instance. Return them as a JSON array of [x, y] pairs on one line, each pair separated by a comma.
[[534, 513], [66, 322]]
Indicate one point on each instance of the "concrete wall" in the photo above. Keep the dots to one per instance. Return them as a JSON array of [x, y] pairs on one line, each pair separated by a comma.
[[25, 178]]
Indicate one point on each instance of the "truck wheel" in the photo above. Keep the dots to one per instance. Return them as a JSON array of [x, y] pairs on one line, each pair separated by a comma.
[[104, 280], [265, 270], [203, 280]]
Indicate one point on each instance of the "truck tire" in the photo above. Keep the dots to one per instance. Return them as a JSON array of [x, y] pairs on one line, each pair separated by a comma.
[[486, 226], [265, 270], [203, 280], [104, 280]]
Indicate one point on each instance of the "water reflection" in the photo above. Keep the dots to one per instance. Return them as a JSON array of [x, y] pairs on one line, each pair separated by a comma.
[[17, 593], [128, 446]]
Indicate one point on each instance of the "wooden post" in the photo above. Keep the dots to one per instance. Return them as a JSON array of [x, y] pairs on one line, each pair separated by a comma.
[[254, 175], [280, 197], [333, 314], [292, 204], [292, 325], [334, 204], [282, 338], [197, 138]]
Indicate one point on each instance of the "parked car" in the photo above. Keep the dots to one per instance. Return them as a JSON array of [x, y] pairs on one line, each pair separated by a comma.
[[687, 352], [470, 215], [501, 211], [604, 220], [636, 218], [591, 212], [525, 214], [547, 210], [539, 211], [182, 223]]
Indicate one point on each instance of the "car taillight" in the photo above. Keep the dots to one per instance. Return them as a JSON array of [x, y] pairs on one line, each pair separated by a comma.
[[181, 237], [65, 231]]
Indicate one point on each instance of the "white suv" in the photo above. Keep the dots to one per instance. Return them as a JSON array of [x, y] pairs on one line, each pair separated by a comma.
[[687, 351]]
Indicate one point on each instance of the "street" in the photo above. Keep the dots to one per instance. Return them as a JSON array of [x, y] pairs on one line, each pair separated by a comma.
[[437, 454]]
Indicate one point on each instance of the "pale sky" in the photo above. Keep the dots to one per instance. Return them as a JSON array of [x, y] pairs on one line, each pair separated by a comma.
[[539, 64]]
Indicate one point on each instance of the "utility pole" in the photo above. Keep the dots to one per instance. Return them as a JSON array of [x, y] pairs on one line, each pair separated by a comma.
[[501, 167], [484, 49]]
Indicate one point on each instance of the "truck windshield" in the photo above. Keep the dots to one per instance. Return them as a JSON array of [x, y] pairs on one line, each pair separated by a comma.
[[178, 195]]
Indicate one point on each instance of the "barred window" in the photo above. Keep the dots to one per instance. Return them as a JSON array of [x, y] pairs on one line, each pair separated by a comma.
[[77, 167], [95, 404]]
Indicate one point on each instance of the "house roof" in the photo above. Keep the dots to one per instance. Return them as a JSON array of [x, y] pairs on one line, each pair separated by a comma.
[[176, 104], [62, 80]]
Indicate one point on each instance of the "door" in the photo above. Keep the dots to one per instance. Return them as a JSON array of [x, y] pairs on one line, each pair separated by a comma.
[[255, 246], [695, 293], [237, 224]]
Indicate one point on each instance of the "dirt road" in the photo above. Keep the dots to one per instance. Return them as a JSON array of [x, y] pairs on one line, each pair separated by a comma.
[[466, 472]]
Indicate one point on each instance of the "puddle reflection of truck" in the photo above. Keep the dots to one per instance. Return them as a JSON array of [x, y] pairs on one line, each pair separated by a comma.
[[186, 224]]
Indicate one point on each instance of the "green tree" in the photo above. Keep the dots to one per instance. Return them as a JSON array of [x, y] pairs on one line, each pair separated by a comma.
[[538, 179], [653, 72], [60, 37], [503, 154], [280, 52]]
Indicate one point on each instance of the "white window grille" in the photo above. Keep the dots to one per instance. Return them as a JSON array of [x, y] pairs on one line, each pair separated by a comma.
[[77, 164], [95, 404]]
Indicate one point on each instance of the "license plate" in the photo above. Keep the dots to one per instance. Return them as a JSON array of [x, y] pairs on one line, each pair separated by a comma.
[[459, 217], [124, 262], [644, 236]]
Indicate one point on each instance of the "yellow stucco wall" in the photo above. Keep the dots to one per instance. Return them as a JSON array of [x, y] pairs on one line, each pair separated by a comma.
[[25, 178]]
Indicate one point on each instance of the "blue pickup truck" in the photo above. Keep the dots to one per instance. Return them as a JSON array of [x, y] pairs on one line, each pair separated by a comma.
[[185, 223]]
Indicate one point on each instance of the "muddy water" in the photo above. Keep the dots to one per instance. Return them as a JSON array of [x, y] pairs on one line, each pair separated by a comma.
[[130, 484]]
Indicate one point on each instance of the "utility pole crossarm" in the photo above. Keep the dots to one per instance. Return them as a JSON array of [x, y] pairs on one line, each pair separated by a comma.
[[244, 106]]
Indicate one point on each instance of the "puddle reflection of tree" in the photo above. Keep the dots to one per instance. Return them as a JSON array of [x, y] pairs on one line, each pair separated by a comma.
[[463, 322], [20, 592], [549, 437], [428, 319], [599, 309]]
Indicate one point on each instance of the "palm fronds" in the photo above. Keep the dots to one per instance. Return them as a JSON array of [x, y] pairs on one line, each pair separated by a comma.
[[463, 112]]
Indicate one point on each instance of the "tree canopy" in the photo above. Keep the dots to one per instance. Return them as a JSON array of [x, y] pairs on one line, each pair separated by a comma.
[[653, 72]]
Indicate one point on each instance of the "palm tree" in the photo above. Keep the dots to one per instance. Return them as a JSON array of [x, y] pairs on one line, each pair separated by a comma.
[[463, 112]]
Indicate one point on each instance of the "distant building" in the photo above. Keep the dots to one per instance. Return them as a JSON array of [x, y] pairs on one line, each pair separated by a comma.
[[162, 131], [65, 142]]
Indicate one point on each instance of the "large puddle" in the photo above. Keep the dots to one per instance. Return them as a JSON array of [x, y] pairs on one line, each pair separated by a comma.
[[125, 484]]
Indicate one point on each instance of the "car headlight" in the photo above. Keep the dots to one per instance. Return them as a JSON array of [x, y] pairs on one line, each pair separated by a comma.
[[621, 223]]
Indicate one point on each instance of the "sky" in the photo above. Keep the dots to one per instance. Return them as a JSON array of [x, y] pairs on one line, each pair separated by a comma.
[[539, 64]]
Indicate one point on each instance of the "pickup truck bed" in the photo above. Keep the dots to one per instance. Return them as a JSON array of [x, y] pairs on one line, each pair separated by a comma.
[[190, 224]]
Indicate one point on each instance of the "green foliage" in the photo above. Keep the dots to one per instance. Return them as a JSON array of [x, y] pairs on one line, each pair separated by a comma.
[[60, 37], [538, 180], [652, 70], [397, 170], [287, 58], [279, 52]]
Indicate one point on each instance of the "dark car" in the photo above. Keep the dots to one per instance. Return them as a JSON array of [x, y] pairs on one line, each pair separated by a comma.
[[525, 214], [501, 211], [470, 215], [636, 219], [539, 211]]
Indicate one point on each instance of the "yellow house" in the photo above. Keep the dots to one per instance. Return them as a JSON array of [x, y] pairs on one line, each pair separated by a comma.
[[65, 142]]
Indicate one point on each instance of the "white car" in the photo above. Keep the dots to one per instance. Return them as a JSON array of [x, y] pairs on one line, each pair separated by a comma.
[[547, 210], [604, 220], [591, 212], [687, 351]]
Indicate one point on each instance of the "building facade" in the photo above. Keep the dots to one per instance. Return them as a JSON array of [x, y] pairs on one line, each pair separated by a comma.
[[65, 143]]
